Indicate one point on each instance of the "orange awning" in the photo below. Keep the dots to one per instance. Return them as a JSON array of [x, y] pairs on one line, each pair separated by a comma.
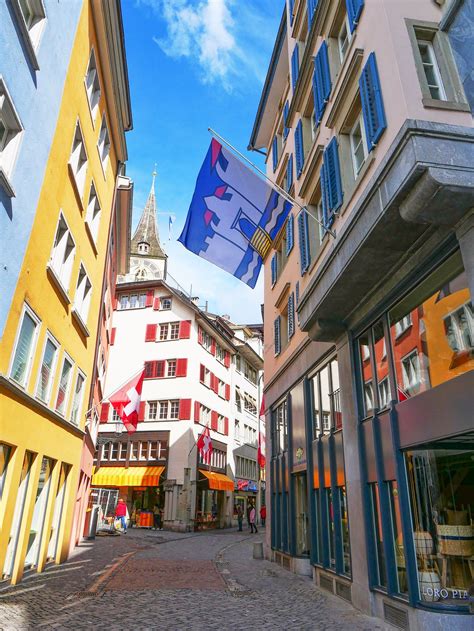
[[133, 476], [218, 481]]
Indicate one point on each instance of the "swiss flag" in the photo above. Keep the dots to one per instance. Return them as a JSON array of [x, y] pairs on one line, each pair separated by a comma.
[[204, 444], [126, 402]]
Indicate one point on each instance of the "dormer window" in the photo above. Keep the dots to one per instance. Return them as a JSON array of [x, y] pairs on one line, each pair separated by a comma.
[[143, 248]]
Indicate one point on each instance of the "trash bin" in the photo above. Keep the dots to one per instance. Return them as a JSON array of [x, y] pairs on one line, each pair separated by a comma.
[[258, 550], [93, 521]]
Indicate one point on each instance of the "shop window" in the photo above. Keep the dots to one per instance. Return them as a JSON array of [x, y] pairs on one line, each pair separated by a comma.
[[39, 513], [5, 455], [346, 544], [459, 329], [396, 523], [302, 526], [441, 483], [380, 565], [365, 367], [381, 366], [384, 397], [411, 373], [58, 511], [331, 528]]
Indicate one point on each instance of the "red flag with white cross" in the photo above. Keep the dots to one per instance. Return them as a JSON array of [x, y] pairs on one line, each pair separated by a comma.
[[126, 402], [204, 445]]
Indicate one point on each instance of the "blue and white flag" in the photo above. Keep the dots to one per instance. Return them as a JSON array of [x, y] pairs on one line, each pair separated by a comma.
[[170, 227], [234, 215]]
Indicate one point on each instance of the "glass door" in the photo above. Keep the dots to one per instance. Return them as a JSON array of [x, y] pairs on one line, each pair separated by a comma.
[[58, 511]]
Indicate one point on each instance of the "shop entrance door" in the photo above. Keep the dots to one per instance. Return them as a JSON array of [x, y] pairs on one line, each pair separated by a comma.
[[107, 500]]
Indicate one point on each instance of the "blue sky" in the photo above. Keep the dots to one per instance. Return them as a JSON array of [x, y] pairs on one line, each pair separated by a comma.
[[192, 65]]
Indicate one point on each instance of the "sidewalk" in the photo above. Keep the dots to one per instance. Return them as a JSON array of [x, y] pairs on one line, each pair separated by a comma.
[[173, 581]]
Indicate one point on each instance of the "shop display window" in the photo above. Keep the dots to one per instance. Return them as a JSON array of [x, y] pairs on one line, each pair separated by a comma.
[[302, 527], [346, 546], [441, 483], [5, 455], [396, 523], [37, 523], [381, 570], [58, 511], [331, 529], [318, 526]]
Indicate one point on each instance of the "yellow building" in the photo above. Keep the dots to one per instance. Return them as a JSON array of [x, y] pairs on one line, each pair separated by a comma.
[[49, 344]]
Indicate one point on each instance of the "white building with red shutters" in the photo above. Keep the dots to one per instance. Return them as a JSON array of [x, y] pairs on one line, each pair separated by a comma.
[[190, 383]]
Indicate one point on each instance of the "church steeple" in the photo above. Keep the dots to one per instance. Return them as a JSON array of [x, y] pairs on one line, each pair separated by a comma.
[[147, 257], [146, 241]]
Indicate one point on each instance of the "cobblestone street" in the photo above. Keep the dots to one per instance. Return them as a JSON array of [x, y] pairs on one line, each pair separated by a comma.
[[164, 580]]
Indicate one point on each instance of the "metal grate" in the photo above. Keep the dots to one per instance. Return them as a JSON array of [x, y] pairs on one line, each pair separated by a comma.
[[397, 617], [326, 583], [344, 591]]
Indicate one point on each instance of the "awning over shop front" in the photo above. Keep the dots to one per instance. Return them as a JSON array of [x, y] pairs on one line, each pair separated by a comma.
[[133, 476], [218, 481]]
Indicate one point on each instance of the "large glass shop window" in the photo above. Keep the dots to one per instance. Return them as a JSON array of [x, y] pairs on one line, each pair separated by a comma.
[[441, 483], [302, 529]]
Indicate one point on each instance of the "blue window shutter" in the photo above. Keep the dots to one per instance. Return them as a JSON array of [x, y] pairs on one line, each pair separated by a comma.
[[274, 269], [295, 66], [321, 81], [286, 109], [291, 315], [275, 153], [332, 179], [312, 4], [303, 240], [289, 173], [277, 335], [372, 102], [299, 149], [354, 9], [328, 217], [289, 234], [297, 292], [291, 5]]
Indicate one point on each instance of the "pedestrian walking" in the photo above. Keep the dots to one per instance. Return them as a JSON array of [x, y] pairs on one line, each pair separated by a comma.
[[263, 515], [253, 517], [249, 508], [156, 517], [121, 514], [240, 516]]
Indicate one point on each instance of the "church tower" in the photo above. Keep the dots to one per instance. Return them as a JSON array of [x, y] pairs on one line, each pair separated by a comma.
[[147, 258]]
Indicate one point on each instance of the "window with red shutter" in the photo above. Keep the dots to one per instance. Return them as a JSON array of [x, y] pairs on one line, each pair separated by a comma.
[[150, 333], [185, 329], [202, 373], [160, 369], [227, 359], [226, 426], [215, 384], [197, 411], [104, 412], [213, 346], [227, 392], [156, 304], [184, 409], [181, 367], [149, 297], [112, 335], [114, 303], [200, 336], [214, 421], [141, 411]]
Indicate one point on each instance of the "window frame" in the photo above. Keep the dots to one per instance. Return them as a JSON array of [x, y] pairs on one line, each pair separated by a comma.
[[66, 358], [26, 309], [31, 34], [79, 173], [93, 215], [12, 137], [48, 337], [81, 309], [79, 375], [359, 122], [59, 275], [102, 143], [93, 108]]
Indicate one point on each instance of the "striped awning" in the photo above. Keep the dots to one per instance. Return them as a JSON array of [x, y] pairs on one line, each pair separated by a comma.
[[218, 481], [133, 476]]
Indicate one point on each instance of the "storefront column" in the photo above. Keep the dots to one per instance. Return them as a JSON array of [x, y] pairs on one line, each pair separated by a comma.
[[9, 496], [465, 236], [360, 589]]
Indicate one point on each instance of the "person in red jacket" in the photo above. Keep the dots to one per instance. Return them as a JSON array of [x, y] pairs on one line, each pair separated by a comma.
[[263, 515], [121, 514]]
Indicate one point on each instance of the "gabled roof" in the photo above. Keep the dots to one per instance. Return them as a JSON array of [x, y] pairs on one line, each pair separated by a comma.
[[147, 229]]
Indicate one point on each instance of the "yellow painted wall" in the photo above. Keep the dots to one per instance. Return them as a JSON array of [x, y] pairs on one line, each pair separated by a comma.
[[22, 425]]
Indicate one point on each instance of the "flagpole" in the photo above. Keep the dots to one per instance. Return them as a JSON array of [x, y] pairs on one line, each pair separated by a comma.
[[274, 184]]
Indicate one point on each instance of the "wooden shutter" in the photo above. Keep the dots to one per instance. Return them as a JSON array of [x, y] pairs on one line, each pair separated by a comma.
[[215, 383], [181, 367], [197, 411], [286, 109], [104, 412], [275, 153], [297, 292], [321, 81], [202, 373], [289, 173], [141, 411], [112, 335], [214, 421], [354, 9], [185, 329], [273, 265], [332, 177], [299, 149], [295, 67], [277, 336], [159, 369], [150, 333], [114, 303], [156, 304], [149, 298], [289, 234], [227, 392], [200, 335], [291, 315], [372, 102], [184, 409], [226, 426], [213, 346], [303, 240], [227, 359]]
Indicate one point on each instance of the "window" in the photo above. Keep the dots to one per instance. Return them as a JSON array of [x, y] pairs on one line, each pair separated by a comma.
[[93, 214], [459, 329], [411, 372], [238, 363], [165, 304], [64, 383], [220, 353], [169, 410], [83, 296], [134, 451], [431, 70], [152, 410], [220, 424], [141, 300], [31, 20], [132, 301], [24, 347], [92, 85], [10, 135], [368, 397], [5, 454], [384, 393], [77, 399], [381, 577], [403, 325], [343, 39], [103, 143], [122, 451], [171, 368], [115, 416], [62, 256], [113, 451], [280, 429], [78, 160], [169, 331], [238, 401], [48, 364], [359, 150]]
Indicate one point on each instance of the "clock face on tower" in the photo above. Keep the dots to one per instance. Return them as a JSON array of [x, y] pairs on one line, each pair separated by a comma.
[[144, 269]]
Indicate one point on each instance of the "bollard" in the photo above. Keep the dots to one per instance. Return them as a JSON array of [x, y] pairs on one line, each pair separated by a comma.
[[258, 550]]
